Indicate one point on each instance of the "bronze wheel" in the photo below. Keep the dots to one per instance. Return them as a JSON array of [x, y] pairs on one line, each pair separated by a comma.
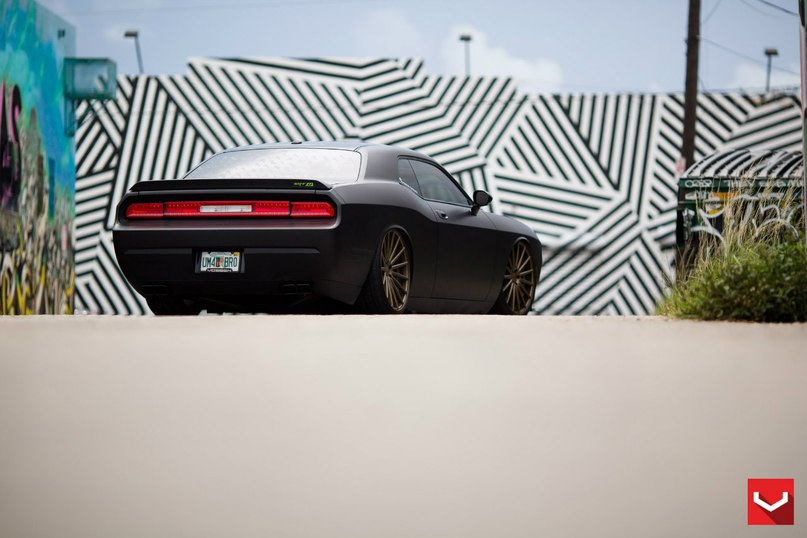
[[386, 290], [395, 270], [518, 287]]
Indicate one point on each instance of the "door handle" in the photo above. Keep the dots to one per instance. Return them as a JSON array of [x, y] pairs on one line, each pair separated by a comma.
[[442, 214]]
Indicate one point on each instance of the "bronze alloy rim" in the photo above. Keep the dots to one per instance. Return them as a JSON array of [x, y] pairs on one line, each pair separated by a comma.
[[395, 270], [519, 279]]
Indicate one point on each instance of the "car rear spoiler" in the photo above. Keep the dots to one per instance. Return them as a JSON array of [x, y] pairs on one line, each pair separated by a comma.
[[203, 184]]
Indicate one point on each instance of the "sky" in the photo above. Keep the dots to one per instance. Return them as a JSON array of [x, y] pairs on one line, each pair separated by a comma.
[[571, 46]]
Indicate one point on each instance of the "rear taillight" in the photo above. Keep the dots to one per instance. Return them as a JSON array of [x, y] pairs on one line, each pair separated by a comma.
[[317, 210], [229, 208], [145, 211]]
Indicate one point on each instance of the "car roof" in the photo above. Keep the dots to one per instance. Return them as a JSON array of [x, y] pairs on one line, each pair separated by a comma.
[[350, 145], [379, 161]]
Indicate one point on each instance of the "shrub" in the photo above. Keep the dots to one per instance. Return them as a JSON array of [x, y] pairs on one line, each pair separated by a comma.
[[757, 270]]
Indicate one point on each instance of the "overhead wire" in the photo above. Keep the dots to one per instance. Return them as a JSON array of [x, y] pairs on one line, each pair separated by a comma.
[[736, 52], [745, 56], [753, 7], [275, 3], [704, 21], [778, 7], [711, 12]]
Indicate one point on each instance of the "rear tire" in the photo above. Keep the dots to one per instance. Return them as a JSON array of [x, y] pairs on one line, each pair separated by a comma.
[[518, 286], [172, 306], [386, 290]]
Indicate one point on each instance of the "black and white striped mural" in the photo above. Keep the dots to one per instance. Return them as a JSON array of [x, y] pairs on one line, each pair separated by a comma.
[[594, 175]]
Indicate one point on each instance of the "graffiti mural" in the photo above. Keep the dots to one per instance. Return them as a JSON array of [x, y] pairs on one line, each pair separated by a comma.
[[756, 192], [593, 175], [755, 209], [37, 164]]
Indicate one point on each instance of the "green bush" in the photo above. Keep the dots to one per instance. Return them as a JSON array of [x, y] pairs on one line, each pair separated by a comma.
[[752, 273], [754, 281]]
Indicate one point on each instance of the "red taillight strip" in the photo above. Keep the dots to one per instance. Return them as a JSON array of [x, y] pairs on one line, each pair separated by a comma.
[[312, 210], [229, 208], [145, 211]]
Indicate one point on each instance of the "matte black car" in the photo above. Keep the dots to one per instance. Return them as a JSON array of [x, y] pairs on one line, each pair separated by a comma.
[[263, 227]]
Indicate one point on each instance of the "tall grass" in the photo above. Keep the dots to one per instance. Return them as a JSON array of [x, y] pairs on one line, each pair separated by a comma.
[[756, 270]]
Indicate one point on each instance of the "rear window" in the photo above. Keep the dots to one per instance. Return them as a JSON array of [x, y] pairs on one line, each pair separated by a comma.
[[329, 165]]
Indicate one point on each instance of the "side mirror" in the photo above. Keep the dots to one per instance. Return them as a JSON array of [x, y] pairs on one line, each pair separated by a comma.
[[481, 199]]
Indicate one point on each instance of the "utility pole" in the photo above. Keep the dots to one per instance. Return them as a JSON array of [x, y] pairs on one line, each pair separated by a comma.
[[690, 108], [691, 84]]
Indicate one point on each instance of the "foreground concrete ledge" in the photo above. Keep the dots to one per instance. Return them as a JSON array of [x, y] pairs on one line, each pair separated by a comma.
[[471, 332], [363, 426]]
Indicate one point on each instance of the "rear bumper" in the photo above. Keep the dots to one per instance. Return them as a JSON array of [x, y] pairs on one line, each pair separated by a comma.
[[277, 259]]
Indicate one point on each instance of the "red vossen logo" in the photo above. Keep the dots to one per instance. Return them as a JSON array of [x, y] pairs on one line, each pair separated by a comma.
[[770, 501]]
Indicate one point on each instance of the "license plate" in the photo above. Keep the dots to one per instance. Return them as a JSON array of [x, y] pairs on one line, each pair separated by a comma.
[[220, 262]]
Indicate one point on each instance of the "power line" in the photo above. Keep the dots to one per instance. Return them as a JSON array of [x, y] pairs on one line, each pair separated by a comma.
[[753, 7], [780, 8], [780, 90], [745, 56], [711, 12]]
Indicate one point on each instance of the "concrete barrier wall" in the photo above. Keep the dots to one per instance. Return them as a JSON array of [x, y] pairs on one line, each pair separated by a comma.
[[594, 175]]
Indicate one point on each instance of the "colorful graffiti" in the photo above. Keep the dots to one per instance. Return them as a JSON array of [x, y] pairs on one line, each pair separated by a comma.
[[756, 209], [37, 166]]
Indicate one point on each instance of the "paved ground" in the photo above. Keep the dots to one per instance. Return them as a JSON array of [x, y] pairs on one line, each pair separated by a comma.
[[385, 427]]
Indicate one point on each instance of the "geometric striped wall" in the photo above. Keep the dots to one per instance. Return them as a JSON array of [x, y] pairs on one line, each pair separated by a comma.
[[593, 175]]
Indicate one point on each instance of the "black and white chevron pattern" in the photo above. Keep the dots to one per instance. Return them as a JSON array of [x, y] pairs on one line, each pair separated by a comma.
[[594, 175]]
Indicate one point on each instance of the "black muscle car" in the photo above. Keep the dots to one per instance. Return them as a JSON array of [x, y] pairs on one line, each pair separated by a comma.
[[263, 227]]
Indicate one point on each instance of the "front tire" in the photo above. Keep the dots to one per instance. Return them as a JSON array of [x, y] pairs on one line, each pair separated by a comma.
[[518, 286], [386, 290]]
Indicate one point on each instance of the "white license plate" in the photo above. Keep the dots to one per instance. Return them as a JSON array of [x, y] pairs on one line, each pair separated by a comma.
[[219, 262]]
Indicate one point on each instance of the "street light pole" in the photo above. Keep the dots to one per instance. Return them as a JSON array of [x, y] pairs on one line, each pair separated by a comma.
[[770, 53], [467, 39], [134, 34]]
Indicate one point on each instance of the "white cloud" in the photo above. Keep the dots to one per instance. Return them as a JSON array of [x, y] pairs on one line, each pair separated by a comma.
[[387, 33], [533, 75], [748, 76]]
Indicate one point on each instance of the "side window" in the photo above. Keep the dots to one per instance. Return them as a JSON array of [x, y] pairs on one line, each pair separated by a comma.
[[435, 185], [407, 175]]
